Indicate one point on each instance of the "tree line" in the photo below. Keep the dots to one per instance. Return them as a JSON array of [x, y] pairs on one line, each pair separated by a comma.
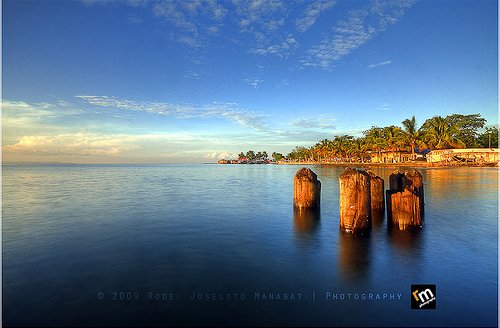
[[452, 131]]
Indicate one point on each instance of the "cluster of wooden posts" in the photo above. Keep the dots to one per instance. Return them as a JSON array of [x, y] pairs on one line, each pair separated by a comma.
[[362, 198]]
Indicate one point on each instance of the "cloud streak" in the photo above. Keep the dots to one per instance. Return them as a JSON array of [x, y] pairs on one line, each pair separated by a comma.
[[62, 131], [228, 111], [312, 13], [360, 27], [382, 63], [323, 122]]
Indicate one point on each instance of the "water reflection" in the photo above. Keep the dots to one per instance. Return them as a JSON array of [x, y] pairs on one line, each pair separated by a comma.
[[354, 256], [408, 241], [306, 225], [378, 218], [460, 182]]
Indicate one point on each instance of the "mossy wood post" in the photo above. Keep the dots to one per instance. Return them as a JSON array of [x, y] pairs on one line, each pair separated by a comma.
[[355, 201], [377, 196], [405, 200], [306, 189]]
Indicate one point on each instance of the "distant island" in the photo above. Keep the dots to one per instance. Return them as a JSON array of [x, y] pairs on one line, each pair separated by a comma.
[[452, 140]]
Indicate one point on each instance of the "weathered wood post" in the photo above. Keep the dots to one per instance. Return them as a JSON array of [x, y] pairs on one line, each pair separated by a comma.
[[377, 196], [405, 200], [355, 201], [306, 189]]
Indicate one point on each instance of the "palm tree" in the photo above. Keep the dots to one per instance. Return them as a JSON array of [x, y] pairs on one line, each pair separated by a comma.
[[299, 154], [322, 148], [394, 138], [341, 146], [359, 148], [375, 140], [412, 134], [441, 135]]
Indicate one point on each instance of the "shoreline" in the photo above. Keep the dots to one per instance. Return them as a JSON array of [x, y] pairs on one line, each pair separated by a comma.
[[424, 164]]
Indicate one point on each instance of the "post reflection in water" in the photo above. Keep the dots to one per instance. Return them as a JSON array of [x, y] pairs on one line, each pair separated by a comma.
[[378, 219], [407, 241], [306, 224], [354, 256]]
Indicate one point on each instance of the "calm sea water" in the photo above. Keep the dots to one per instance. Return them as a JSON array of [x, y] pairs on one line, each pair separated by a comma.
[[129, 245]]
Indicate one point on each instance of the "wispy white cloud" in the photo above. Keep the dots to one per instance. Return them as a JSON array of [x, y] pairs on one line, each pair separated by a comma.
[[20, 115], [194, 20], [259, 14], [137, 3], [175, 15], [383, 107], [213, 30], [382, 63], [228, 111], [311, 14], [96, 2], [310, 127], [192, 75], [283, 83], [266, 22], [134, 19], [360, 27], [189, 41], [61, 131], [253, 82], [266, 26], [283, 49], [323, 122]]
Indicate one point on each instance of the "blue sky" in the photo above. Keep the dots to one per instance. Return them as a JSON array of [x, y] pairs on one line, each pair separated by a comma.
[[194, 81]]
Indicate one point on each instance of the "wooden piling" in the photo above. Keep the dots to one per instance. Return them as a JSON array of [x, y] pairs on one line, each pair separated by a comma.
[[355, 201], [377, 196], [405, 200], [306, 189]]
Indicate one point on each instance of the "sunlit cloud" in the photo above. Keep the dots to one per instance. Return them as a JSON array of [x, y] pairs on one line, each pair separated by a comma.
[[220, 155], [20, 115], [41, 133], [91, 147]]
